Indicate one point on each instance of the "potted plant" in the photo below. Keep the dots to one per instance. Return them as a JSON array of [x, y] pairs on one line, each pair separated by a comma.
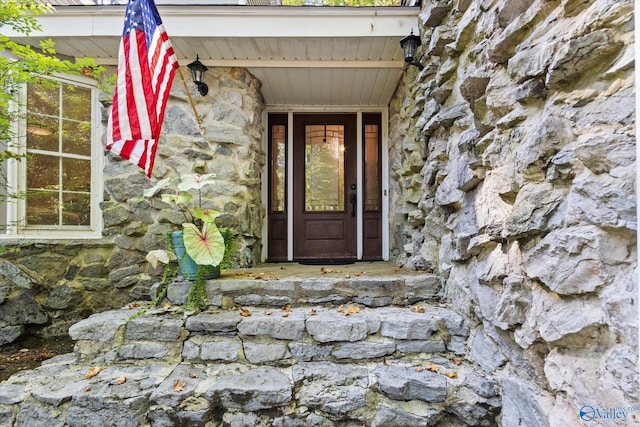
[[199, 246]]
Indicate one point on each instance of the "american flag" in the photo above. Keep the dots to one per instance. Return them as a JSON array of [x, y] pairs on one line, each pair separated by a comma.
[[146, 66]]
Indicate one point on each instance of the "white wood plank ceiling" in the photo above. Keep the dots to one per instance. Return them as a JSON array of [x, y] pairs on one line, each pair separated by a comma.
[[311, 56]]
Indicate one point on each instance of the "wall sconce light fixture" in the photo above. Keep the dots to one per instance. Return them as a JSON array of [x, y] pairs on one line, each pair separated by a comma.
[[409, 45], [197, 73]]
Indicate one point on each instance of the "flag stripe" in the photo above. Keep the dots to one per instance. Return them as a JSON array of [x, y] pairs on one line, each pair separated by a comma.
[[146, 67]]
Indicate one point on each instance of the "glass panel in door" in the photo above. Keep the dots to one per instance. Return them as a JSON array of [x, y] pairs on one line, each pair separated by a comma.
[[324, 168]]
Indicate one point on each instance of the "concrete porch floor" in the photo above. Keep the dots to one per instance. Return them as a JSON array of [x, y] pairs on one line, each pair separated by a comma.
[[275, 271]]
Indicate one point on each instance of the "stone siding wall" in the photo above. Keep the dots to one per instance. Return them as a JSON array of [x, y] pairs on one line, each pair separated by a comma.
[[49, 284], [515, 180], [229, 145]]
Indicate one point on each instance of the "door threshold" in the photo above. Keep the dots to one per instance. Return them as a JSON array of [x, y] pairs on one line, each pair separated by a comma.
[[329, 261]]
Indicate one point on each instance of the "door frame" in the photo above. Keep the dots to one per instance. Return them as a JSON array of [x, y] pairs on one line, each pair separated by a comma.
[[384, 160]]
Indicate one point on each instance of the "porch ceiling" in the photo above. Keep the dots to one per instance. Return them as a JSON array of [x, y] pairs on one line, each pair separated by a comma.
[[322, 56]]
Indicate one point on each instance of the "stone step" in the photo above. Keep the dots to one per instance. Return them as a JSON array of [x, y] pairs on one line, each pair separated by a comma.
[[160, 394], [261, 335], [293, 366], [342, 288]]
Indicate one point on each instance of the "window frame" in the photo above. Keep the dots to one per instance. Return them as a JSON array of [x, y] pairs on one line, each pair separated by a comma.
[[17, 173]]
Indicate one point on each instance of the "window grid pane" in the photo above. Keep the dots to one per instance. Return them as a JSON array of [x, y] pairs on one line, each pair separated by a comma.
[[58, 173]]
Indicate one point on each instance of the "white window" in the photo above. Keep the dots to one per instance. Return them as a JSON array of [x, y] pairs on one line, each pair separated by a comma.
[[60, 179]]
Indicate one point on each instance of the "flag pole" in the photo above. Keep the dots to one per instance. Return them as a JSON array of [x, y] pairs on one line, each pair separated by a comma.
[[193, 105]]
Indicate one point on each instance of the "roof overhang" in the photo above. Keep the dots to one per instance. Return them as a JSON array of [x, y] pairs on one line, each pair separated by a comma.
[[302, 55]]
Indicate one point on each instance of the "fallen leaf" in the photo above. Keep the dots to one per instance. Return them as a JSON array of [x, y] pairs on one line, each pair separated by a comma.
[[285, 314], [244, 312], [43, 356], [457, 361], [313, 312], [289, 409], [417, 309], [121, 380], [433, 368], [178, 385], [267, 313], [88, 388], [451, 374], [386, 362], [133, 305], [167, 306], [352, 310], [93, 371], [286, 308]]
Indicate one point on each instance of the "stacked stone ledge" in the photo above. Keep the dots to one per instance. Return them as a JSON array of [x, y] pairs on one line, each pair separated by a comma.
[[301, 364]]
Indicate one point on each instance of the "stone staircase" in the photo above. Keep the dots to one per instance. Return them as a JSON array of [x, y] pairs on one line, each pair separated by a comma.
[[321, 351]]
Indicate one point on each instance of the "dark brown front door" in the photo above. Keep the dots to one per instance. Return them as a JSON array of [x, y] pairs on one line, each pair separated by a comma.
[[324, 187]]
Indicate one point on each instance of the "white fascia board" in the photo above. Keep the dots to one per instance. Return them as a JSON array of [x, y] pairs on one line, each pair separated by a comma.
[[236, 21], [260, 63]]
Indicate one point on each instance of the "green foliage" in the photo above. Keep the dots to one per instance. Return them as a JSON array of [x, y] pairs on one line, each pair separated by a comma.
[[197, 300], [28, 64], [230, 247]]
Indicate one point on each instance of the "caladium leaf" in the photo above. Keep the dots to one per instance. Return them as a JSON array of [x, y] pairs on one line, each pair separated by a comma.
[[205, 247], [206, 215], [179, 198], [160, 255], [194, 181], [162, 184]]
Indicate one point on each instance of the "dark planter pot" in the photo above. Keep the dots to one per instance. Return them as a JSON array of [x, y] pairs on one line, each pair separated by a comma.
[[188, 266]]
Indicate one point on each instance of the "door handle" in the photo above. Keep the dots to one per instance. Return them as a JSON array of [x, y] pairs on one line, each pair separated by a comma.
[[354, 201]]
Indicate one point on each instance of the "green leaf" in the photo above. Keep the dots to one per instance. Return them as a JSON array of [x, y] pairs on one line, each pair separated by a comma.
[[178, 198], [206, 215], [206, 247]]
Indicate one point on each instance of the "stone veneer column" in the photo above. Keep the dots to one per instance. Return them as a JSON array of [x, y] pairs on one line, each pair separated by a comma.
[[513, 168], [228, 145]]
